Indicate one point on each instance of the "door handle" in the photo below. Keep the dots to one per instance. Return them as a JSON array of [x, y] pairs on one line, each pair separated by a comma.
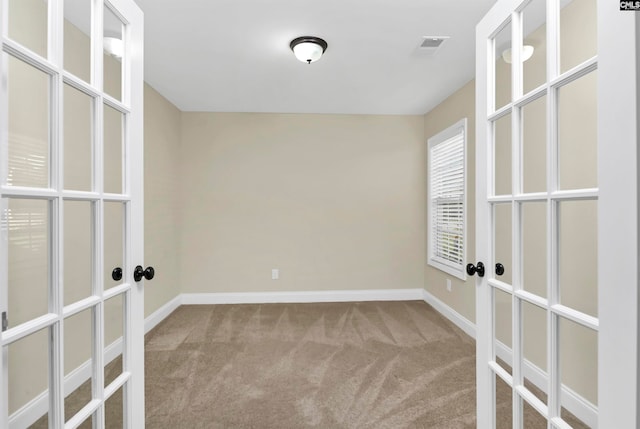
[[472, 269], [499, 269], [147, 273], [116, 274]]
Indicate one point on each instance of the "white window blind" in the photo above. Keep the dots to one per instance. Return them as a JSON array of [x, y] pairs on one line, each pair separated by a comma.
[[447, 200]]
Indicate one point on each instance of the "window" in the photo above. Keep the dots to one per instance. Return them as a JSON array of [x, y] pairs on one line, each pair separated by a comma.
[[447, 191]]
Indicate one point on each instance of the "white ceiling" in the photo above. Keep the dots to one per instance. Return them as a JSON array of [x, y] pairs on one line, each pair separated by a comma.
[[234, 55]]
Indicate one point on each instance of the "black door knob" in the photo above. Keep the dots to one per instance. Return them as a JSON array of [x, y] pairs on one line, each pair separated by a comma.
[[139, 272], [116, 274], [499, 269], [472, 269], [149, 272]]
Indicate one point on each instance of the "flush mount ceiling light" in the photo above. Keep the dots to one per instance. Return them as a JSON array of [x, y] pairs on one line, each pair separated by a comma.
[[527, 52], [308, 48]]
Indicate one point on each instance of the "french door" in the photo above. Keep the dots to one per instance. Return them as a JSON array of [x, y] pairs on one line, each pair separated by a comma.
[[71, 214], [556, 205]]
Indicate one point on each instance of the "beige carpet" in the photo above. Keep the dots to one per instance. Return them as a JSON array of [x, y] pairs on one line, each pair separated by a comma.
[[334, 365], [330, 365]]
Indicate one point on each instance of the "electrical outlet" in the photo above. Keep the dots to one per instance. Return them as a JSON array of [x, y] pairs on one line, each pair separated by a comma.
[[275, 274], [449, 285]]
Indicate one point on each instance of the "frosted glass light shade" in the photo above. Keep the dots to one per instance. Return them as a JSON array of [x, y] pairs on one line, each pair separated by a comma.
[[527, 52], [307, 52], [113, 46], [308, 49]]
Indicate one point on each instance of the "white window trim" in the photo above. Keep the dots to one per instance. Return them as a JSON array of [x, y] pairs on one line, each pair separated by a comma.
[[443, 265]]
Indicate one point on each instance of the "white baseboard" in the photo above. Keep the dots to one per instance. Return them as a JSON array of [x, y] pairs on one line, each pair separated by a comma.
[[572, 401], [456, 318], [162, 313], [303, 297]]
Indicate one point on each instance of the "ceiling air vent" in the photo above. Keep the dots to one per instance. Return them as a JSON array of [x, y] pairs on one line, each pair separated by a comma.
[[431, 44]]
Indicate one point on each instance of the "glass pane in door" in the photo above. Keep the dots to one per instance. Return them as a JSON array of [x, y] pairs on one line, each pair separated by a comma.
[[28, 370], [534, 248], [502, 303], [531, 418], [77, 38], [534, 68], [26, 229], [502, 155], [578, 32], [78, 140], [578, 255], [502, 54], [578, 348], [77, 357], [113, 52], [114, 410], [504, 404], [113, 150], [578, 134], [534, 349], [574, 421], [114, 229], [113, 334], [534, 146], [88, 424], [78, 250], [28, 24], [28, 157], [502, 240]]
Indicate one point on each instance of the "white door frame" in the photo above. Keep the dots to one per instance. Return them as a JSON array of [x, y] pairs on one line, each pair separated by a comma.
[[132, 196], [134, 68], [618, 264], [618, 228]]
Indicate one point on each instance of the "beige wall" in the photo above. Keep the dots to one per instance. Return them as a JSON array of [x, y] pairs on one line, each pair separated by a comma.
[[333, 201], [458, 106], [161, 198]]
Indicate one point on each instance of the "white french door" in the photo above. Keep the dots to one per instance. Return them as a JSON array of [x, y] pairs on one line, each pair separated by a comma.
[[71, 214], [556, 206]]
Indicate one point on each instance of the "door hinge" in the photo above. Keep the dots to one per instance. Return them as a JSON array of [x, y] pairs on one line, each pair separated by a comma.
[[5, 321]]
